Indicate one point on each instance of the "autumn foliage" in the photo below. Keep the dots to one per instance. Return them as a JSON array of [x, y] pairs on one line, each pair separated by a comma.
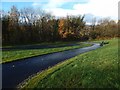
[[34, 26]]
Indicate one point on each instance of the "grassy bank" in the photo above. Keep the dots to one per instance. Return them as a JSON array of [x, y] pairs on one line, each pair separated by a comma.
[[43, 43], [12, 55], [94, 69]]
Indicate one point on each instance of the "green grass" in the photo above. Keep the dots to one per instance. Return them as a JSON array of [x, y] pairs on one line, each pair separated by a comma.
[[12, 55], [94, 69]]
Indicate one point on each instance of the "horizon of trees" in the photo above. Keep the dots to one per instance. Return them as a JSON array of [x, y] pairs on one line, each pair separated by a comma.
[[34, 26]]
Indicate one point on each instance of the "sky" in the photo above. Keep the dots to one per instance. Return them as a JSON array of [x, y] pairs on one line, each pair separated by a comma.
[[61, 8]]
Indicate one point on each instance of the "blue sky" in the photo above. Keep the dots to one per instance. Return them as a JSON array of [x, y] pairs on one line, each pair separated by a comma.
[[68, 5], [48, 4], [91, 8], [7, 5]]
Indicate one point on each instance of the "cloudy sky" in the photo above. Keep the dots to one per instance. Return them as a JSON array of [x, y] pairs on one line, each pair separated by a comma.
[[91, 8]]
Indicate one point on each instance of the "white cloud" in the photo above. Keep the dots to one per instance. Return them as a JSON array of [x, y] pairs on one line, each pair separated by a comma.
[[54, 7], [54, 3], [36, 4], [60, 12], [50, 3], [103, 8]]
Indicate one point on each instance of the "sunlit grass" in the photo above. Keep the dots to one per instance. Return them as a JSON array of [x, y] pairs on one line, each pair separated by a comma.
[[94, 69]]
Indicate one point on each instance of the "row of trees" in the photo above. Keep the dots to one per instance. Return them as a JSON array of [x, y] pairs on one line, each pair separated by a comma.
[[28, 25]]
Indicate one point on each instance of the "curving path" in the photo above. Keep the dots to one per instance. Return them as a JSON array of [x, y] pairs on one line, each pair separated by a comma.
[[14, 73]]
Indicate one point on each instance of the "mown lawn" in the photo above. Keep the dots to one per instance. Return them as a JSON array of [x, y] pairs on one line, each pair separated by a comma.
[[94, 69], [12, 55]]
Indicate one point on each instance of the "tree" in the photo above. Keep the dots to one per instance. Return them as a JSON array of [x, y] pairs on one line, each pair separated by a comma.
[[5, 29], [14, 25], [93, 23]]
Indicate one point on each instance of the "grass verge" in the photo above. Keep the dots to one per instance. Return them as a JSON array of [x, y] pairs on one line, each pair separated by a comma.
[[94, 69], [44, 43], [12, 55]]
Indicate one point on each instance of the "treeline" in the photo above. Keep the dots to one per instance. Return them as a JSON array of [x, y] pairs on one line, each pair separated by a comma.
[[34, 26]]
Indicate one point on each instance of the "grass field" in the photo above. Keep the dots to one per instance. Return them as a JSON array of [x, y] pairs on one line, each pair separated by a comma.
[[94, 69], [12, 55]]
